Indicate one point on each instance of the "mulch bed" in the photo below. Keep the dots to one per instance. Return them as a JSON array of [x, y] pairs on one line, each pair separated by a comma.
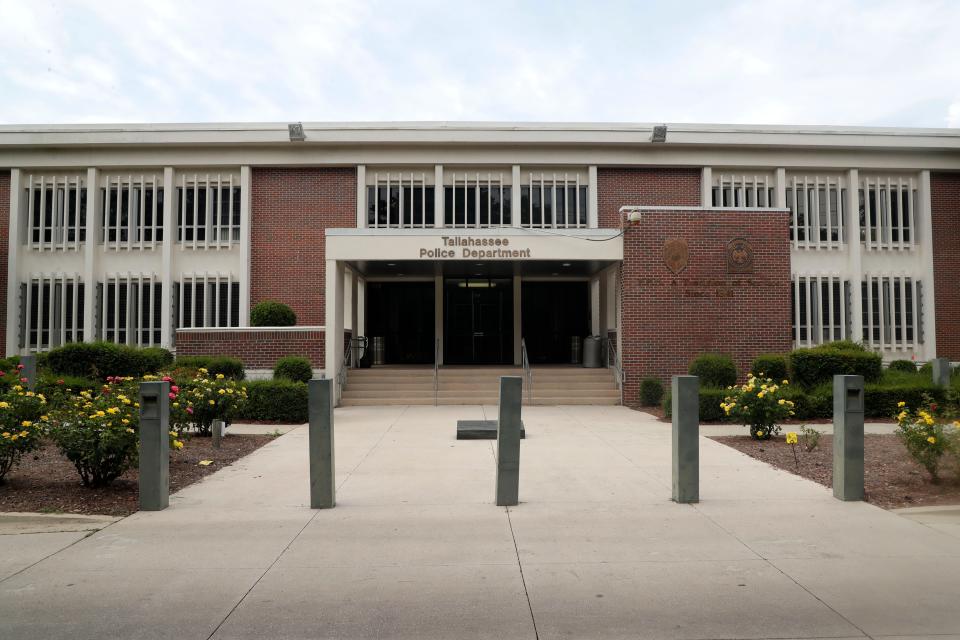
[[47, 482], [891, 478]]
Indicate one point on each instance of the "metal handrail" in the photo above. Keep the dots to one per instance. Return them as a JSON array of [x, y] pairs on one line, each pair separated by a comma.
[[613, 361], [527, 371], [436, 371], [344, 365]]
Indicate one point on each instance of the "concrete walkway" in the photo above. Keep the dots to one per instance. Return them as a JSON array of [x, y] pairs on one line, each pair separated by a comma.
[[416, 549]]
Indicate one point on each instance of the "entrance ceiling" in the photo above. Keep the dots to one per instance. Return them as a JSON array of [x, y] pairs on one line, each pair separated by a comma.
[[479, 268]]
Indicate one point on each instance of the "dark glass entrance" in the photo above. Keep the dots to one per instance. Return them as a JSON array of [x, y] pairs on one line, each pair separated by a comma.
[[403, 314], [478, 321], [553, 312]]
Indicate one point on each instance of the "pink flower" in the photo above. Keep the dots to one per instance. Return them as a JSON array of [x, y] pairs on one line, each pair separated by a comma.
[[59, 381], [167, 379], [3, 373], [190, 410], [175, 389], [19, 367], [109, 378], [172, 395], [23, 379]]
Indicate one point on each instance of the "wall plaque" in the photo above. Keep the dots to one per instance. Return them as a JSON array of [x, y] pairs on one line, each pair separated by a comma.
[[739, 256], [675, 254]]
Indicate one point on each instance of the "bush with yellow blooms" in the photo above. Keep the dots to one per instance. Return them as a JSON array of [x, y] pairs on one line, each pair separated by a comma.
[[924, 435], [23, 421], [759, 404], [212, 397]]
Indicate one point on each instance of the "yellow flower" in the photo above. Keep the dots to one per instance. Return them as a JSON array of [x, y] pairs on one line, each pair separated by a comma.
[[177, 444], [219, 376], [901, 404], [221, 391], [125, 421], [786, 382], [44, 417], [791, 438], [211, 402], [760, 434], [5, 434], [26, 423], [932, 440], [173, 433], [113, 410], [4, 405], [781, 401], [129, 430], [100, 414], [24, 434], [761, 394]]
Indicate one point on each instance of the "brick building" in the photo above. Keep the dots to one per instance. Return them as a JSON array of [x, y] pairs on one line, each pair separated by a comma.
[[483, 244]]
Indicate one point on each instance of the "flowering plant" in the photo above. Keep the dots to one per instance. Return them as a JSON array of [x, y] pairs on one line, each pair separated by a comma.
[[759, 404], [22, 423], [207, 398], [923, 436]]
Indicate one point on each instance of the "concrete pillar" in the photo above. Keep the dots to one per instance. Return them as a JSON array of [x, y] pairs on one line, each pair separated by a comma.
[[246, 221], [854, 255], [29, 370], [322, 485], [517, 320], [593, 211], [594, 306], [361, 196], [508, 441], [333, 336], [780, 188], [923, 228], [941, 372], [685, 391], [706, 187], [438, 200], [154, 446], [355, 318], [167, 330], [13, 262], [848, 437], [438, 318]]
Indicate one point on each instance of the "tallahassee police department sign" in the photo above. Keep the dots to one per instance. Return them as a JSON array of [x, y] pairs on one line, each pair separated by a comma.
[[470, 248]]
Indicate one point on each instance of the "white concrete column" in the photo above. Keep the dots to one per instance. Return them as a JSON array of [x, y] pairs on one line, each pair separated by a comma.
[[594, 306], [333, 333], [854, 254], [167, 330], [593, 214], [246, 211], [612, 297], [361, 196], [354, 314], [91, 255], [602, 304], [13, 271], [517, 320], [438, 316], [925, 248], [780, 188], [706, 187], [515, 185], [438, 214], [361, 305]]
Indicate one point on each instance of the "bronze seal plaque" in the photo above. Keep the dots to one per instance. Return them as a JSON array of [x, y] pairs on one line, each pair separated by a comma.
[[739, 256], [675, 254]]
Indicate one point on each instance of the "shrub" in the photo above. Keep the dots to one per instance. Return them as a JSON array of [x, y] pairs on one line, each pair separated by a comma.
[[59, 389], [651, 392], [810, 367], [272, 314], [770, 365], [296, 368], [714, 370], [923, 437], [155, 359], [22, 422], [276, 400], [881, 400], [845, 345], [230, 367], [907, 366], [193, 362], [98, 360], [207, 397], [760, 405], [710, 400], [809, 438]]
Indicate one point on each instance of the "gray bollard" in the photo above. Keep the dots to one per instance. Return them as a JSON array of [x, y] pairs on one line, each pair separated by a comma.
[[941, 372], [508, 441], [216, 433], [322, 487], [848, 437], [686, 434], [154, 446], [29, 371]]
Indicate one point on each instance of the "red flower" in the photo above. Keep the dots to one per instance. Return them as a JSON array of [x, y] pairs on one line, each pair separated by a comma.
[[167, 379], [190, 410], [59, 381], [23, 380], [175, 389], [172, 395], [19, 367]]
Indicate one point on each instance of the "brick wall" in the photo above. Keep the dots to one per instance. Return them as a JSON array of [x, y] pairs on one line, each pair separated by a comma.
[[668, 319], [257, 349], [4, 251], [291, 208], [945, 209], [653, 186]]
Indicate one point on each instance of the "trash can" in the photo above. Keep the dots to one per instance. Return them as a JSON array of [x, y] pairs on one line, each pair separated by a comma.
[[378, 350], [574, 349], [361, 354], [592, 352]]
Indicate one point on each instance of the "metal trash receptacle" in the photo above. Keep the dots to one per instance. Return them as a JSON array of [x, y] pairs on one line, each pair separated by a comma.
[[575, 345], [379, 355], [592, 352]]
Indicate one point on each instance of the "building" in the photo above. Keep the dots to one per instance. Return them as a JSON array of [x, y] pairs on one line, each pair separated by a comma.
[[480, 243]]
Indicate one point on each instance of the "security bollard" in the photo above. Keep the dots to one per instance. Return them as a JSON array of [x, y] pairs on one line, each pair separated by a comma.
[[154, 446], [686, 434], [941, 372], [848, 437], [216, 433], [508, 441], [29, 371], [322, 487]]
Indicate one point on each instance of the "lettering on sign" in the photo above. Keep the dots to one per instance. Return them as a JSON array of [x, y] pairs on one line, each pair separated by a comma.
[[470, 248]]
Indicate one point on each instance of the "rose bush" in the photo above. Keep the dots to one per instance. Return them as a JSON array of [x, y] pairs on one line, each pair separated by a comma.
[[23, 421], [759, 404]]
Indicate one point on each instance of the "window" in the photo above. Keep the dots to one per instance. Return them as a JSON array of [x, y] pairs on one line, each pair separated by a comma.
[[208, 211], [817, 208], [888, 212], [208, 300], [51, 311], [820, 309], [553, 201], [56, 209], [403, 201], [132, 215], [892, 312], [130, 310], [476, 201], [743, 192]]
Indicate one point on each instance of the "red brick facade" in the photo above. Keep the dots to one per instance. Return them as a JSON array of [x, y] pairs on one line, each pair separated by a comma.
[[290, 210], [655, 186], [945, 210], [668, 319], [256, 349], [4, 250]]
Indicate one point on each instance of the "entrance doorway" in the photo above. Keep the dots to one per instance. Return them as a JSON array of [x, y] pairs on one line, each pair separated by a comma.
[[553, 313], [478, 321], [402, 314]]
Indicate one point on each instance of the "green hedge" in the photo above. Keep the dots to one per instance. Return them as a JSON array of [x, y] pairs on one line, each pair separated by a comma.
[[710, 400], [771, 365], [811, 367], [714, 370], [101, 359], [907, 366], [229, 367], [651, 392], [279, 400], [272, 314], [296, 368]]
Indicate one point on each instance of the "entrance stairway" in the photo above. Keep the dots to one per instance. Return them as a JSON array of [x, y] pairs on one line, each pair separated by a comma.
[[477, 385]]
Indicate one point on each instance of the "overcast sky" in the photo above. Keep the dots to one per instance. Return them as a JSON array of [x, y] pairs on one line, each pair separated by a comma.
[[843, 62]]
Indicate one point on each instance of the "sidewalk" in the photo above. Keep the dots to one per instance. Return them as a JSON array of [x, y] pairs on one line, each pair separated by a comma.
[[416, 549]]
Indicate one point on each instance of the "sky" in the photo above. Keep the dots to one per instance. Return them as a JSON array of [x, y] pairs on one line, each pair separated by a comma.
[[839, 62]]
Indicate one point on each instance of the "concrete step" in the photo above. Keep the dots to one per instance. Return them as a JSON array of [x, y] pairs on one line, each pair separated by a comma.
[[351, 392], [394, 400]]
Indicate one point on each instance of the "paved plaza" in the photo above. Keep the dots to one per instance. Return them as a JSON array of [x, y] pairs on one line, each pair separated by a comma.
[[416, 549]]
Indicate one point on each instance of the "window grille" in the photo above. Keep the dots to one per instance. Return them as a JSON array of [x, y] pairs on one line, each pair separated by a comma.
[[892, 312], [208, 211], [743, 191], [477, 201], [401, 201], [132, 214], [817, 208], [821, 309], [208, 300], [130, 310], [553, 201], [51, 311], [56, 208], [888, 212]]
